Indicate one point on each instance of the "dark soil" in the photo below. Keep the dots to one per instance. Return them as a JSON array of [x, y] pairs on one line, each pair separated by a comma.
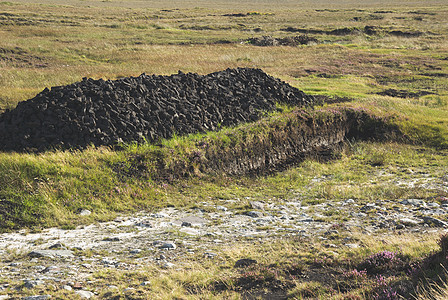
[[143, 108], [407, 34], [404, 93], [287, 41], [369, 30]]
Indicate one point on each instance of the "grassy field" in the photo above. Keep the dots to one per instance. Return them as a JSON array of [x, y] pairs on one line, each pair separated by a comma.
[[49, 43]]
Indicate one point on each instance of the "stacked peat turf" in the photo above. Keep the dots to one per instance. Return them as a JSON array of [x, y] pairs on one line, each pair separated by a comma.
[[147, 107]]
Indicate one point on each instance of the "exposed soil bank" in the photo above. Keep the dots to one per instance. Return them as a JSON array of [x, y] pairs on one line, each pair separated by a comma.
[[264, 146]]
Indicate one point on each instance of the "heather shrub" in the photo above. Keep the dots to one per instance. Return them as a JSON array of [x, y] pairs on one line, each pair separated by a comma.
[[381, 262]]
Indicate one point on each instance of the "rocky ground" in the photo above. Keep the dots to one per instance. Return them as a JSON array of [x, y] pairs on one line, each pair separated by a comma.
[[66, 259]]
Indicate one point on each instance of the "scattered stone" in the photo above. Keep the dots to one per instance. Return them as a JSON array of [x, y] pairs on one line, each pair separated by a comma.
[[84, 212], [168, 245], [193, 220], [4, 297], [85, 294], [414, 202], [190, 231], [29, 284], [168, 265], [186, 224], [409, 222], [358, 215], [51, 253], [348, 201], [67, 287], [369, 207], [254, 214], [15, 264], [244, 262], [113, 287], [222, 208], [400, 226], [135, 251], [210, 254], [57, 246], [109, 262], [112, 239], [37, 297], [435, 221], [257, 205], [159, 215], [145, 223], [433, 205], [50, 269], [76, 285], [145, 283]]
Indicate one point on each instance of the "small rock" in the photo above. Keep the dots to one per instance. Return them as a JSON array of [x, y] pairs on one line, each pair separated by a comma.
[[111, 239], [222, 208], [368, 207], [15, 264], [433, 205], [257, 205], [84, 212], [4, 297], [109, 262], [113, 287], [50, 269], [37, 297], [254, 214], [186, 224], [244, 262], [135, 251], [348, 201], [84, 294], [414, 202], [145, 223], [168, 265], [168, 245], [29, 284], [159, 215], [67, 287], [437, 211], [352, 246], [400, 226], [435, 221], [210, 254], [51, 253], [358, 215], [145, 283], [76, 285], [408, 222], [57, 246]]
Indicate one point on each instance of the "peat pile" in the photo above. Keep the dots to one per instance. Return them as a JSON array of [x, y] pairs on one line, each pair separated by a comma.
[[147, 107]]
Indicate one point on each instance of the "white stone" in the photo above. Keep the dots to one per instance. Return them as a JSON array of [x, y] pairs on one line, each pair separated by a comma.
[[84, 294]]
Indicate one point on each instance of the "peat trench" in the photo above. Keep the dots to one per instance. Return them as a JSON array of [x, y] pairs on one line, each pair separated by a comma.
[[151, 108]]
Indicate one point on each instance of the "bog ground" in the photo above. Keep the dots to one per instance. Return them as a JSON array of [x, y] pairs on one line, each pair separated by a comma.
[[344, 200]]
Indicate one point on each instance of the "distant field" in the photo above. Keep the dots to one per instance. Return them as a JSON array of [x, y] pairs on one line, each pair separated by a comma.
[[254, 5]]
